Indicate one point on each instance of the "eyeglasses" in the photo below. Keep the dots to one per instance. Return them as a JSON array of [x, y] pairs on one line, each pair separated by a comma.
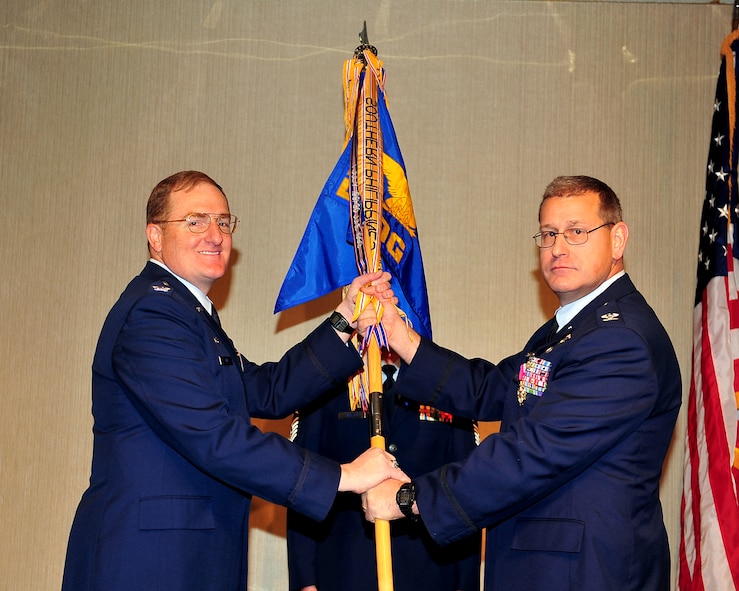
[[198, 223], [573, 236]]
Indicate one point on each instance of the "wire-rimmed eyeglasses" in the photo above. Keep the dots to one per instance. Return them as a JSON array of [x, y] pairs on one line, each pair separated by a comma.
[[198, 223], [573, 236]]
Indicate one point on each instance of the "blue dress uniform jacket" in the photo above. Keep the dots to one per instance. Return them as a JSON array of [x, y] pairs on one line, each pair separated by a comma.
[[175, 456], [569, 489], [339, 553]]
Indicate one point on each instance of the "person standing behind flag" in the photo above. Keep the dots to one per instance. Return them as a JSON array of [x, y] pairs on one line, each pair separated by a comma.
[[339, 553], [569, 487], [175, 456]]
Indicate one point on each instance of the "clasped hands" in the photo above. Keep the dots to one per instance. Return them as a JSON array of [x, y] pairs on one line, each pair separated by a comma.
[[376, 285]]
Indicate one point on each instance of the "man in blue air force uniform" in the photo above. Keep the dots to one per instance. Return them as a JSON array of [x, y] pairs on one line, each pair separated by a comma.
[[569, 488], [175, 456]]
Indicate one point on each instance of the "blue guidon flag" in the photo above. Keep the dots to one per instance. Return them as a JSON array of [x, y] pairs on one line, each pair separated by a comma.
[[326, 258]]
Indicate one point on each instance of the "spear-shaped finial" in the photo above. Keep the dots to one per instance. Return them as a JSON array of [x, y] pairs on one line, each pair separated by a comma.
[[364, 44]]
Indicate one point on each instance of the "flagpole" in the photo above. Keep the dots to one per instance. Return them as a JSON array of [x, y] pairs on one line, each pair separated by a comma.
[[377, 439], [380, 214], [368, 181]]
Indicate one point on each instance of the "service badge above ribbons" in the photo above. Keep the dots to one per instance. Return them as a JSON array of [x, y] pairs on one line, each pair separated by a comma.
[[532, 377]]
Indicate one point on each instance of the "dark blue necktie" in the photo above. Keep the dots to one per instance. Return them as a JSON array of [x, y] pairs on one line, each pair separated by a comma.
[[388, 388], [389, 371], [214, 314]]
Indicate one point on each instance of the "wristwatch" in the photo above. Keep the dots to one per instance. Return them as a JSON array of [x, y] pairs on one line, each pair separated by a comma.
[[405, 497], [340, 323]]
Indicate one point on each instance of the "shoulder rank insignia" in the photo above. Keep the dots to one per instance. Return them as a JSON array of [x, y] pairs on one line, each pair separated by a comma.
[[610, 316], [161, 286]]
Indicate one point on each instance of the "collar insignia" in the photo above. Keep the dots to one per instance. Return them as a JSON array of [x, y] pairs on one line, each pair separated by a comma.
[[564, 339]]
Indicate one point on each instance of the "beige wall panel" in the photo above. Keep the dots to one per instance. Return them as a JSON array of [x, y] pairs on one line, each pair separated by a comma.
[[490, 100]]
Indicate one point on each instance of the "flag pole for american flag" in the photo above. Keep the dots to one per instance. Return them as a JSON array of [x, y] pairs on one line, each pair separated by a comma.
[[709, 543]]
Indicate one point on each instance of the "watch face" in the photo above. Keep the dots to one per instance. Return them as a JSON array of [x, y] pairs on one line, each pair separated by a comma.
[[340, 323], [405, 498]]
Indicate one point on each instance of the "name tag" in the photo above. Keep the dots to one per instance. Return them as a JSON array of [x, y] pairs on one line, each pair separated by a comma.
[[225, 360], [357, 414]]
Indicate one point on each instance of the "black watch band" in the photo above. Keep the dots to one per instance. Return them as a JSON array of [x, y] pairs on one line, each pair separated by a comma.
[[340, 323], [405, 497]]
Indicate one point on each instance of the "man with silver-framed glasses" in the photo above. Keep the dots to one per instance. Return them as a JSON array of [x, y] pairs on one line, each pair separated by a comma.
[[175, 456], [569, 488]]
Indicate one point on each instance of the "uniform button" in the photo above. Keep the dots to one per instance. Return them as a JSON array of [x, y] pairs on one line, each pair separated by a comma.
[[392, 448]]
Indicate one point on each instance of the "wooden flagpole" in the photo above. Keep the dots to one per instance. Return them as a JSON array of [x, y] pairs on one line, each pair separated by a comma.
[[368, 184], [382, 527]]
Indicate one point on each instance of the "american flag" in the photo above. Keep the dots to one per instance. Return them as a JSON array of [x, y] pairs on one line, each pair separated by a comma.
[[709, 542]]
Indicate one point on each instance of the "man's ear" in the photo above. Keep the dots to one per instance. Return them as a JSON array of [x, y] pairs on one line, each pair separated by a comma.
[[619, 237], [154, 236]]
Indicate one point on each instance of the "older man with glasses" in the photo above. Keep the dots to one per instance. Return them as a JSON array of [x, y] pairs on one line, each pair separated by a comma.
[[569, 488], [175, 456]]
